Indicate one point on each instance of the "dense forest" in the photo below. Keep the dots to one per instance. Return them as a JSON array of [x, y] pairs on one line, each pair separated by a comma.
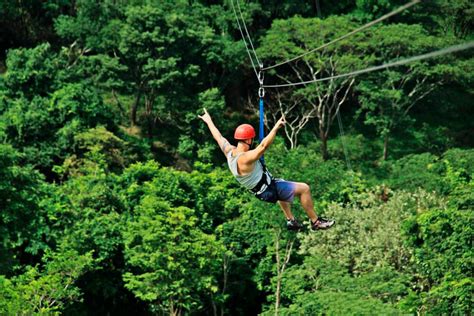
[[116, 200]]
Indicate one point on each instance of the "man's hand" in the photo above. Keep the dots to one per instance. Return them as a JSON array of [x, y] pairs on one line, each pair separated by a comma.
[[253, 155], [206, 117], [280, 123], [221, 141]]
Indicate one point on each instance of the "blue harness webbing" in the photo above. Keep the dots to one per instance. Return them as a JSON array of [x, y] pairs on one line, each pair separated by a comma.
[[261, 128]]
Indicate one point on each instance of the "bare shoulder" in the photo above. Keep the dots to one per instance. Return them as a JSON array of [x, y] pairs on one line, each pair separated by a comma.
[[248, 157], [251, 156], [226, 147], [246, 163], [229, 148]]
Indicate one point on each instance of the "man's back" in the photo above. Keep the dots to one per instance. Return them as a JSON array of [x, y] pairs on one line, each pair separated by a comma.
[[249, 177]]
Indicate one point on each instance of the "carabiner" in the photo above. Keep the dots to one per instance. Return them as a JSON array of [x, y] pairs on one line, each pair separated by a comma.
[[261, 92], [260, 77]]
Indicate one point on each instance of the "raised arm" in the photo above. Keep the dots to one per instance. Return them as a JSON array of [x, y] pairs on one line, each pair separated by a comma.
[[253, 155], [221, 141]]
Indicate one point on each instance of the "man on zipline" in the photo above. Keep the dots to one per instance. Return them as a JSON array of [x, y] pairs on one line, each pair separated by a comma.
[[247, 168]]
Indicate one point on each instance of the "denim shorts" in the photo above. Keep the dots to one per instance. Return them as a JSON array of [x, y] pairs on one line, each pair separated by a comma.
[[278, 190]]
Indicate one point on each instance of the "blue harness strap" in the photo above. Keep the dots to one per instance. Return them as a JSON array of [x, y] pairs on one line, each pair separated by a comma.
[[261, 128], [261, 132]]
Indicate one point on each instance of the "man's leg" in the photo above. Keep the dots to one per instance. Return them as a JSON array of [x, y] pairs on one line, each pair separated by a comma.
[[286, 208], [303, 192], [291, 222]]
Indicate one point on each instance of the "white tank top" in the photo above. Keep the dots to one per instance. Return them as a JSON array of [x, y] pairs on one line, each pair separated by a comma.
[[249, 181]]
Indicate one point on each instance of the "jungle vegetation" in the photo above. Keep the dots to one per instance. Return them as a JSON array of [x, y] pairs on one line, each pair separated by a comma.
[[115, 199]]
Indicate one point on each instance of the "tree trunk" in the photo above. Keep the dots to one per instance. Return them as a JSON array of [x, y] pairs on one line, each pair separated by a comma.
[[133, 110], [277, 257], [318, 8], [149, 113], [277, 294], [214, 307], [119, 104], [324, 146], [293, 140], [385, 147], [174, 311], [225, 269], [281, 265]]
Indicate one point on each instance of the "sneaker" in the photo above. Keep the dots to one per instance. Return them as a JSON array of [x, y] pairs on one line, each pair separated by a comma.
[[322, 223], [292, 224]]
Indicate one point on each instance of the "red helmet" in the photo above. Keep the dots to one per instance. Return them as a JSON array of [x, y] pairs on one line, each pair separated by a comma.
[[244, 131]]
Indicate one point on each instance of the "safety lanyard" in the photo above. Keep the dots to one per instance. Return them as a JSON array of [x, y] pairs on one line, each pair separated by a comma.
[[261, 127]]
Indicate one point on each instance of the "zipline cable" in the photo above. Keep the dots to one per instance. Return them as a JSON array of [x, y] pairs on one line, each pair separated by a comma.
[[243, 38], [259, 74], [248, 34], [444, 51], [384, 17]]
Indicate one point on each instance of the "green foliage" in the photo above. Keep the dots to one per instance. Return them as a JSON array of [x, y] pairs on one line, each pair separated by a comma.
[[319, 286], [164, 58], [368, 231], [84, 213], [20, 217], [443, 254], [369, 266], [337, 303], [174, 263], [359, 149], [215, 196], [189, 144], [31, 71], [96, 149], [315, 103], [450, 174], [100, 141], [284, 39], [77, 101], [386, 98], [44, 290], [432, 139], [460, 186], [98, 120], [88, 27], [218, 197], [253, 238], [461, 159], [41, 115], [441, 240], [458, 18], [414, 171]]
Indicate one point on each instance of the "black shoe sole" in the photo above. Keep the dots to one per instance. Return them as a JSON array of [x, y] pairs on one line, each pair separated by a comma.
[[294, 228]]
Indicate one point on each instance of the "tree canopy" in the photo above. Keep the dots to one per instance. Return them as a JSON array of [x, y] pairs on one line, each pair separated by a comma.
[[115, 198]]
